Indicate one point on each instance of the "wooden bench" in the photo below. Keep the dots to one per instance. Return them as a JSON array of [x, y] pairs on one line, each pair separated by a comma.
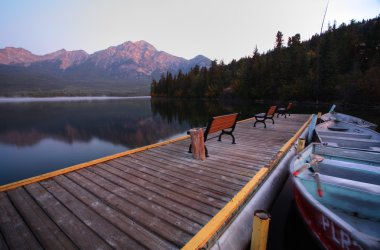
[[261, 117], [224, 123], [284, 111]]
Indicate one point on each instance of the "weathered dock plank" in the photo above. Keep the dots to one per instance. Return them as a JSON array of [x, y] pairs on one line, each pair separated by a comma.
[[118, 218], [3, 244], [180, 194], [220, 164], [208, 207], [192, 168], [236, 179], [74, 228], [186, 188], [13, 227], [156, 198], [186, 172], [107, 231], [147, 205], [160, 227], [46, 231], [181, 177]]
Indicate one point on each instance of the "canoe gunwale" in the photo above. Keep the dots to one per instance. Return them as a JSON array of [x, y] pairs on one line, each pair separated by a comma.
[[346, 183]]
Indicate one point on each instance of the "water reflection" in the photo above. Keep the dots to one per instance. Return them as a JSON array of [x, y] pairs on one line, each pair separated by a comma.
[[197, 112], [129, 123]]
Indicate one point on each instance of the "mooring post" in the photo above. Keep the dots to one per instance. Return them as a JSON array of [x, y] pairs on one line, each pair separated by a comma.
[[197, 143], [319, 117], [260, 228]]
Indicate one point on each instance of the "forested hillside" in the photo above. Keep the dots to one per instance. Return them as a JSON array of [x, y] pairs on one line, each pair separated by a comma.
[[342, 64]]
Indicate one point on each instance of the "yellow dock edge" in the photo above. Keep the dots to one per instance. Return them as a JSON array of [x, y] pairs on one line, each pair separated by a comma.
[[223, 216], [85, 164]]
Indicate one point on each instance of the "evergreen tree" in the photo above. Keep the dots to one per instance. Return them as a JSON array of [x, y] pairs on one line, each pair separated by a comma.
[[279, 40]]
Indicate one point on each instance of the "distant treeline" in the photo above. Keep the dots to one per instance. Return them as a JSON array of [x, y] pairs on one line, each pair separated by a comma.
[[342, 64]]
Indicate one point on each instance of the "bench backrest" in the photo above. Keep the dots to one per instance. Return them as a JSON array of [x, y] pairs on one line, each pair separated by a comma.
[[271, 110], [219, 123], [289, 106]]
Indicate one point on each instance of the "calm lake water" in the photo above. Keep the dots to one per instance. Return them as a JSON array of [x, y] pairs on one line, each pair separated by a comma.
[[45, 134]]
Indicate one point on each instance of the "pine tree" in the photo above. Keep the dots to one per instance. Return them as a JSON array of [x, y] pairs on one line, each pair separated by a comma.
[[279, 40]]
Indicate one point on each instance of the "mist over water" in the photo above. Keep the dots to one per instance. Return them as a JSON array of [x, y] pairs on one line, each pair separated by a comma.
[[65, 98]]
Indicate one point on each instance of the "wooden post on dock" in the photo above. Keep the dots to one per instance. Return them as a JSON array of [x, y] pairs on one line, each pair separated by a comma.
[[300, 145], [319, 117], [198, 144], [260, 230]]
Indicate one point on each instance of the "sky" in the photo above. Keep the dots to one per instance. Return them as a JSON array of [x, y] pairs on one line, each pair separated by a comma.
[[219, 29]]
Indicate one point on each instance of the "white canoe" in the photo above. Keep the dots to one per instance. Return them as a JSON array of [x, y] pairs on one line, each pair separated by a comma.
[[346, 135], [348, 118]]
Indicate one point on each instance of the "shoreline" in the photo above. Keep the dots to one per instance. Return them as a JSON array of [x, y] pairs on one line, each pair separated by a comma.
[[66, 98]]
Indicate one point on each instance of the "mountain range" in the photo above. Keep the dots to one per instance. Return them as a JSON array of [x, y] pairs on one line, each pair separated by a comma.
[[125, 69]]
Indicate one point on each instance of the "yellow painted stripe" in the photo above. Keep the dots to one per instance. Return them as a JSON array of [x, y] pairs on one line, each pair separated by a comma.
[[215, 224], [210, 229], [86, 164]]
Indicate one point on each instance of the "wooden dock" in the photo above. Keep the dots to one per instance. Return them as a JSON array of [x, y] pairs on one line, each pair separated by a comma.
[[156, 197]]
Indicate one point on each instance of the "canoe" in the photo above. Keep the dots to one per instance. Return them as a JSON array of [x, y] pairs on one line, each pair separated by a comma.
[[350, 119], [342, 134], [340, 201]]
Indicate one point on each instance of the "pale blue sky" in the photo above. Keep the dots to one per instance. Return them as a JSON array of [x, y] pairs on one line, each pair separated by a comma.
[[218, 29]]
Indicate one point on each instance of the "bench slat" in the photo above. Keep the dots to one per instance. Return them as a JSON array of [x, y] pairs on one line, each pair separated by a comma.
[[271, 111], [223, 122]]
